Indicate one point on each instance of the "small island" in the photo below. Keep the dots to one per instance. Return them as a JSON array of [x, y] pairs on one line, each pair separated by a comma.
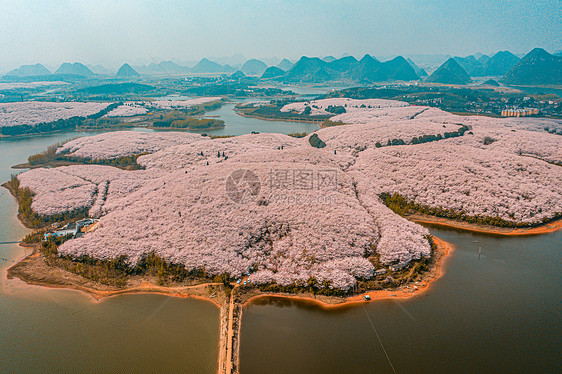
[[38, 118], [186, 122]]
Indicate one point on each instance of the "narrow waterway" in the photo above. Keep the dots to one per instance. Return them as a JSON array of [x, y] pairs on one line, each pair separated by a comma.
[[237, 125]]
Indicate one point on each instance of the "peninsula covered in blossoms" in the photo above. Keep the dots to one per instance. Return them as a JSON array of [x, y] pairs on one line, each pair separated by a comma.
[[329, 216], [381, 159]]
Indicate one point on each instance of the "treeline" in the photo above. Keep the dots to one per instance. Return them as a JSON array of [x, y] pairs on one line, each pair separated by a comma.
[[298, 134], [129, 162], [204, 107], [34, 237], [117, 89], [362, 93], [449, 95], [274, 112], [190, 123], [216, 89], [401, 205], [51, 155], [115, 272], [426, 138], [336, 109], [46, 156], [103, 123], [41, 128], [24, 196], [59, 125], [311, 286], [103, 112], [329, 123], [316, 142], [446, 135], [414, 271], [220, 136]]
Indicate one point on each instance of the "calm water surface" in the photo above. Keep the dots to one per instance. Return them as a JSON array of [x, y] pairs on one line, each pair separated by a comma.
[[499, 313], [61, 331], [237, 125]]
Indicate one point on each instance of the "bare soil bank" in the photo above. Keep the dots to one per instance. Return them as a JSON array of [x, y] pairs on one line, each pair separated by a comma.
[[537, 230]]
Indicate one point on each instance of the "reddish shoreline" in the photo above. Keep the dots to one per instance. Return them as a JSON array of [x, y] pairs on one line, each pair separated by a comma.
[[542, 229], [328, 302], [436, 273], [145, 287]]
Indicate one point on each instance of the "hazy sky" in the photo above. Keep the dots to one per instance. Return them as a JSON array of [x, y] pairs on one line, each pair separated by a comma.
[[117, 31]]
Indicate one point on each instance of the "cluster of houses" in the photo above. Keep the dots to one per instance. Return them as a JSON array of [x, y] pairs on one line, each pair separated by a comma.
[[520, 112], [73, 228], [398, 266], [395, 267]]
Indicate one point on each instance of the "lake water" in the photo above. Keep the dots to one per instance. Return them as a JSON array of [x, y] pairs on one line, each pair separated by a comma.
[[61, 331], [496, 313], [237, 125]]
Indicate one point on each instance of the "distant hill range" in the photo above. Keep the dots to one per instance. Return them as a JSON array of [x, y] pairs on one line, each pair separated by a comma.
[[273, 72], [253, 67], [29, 71], [366, 70], [500, 63], [538, 67], [163, 67], [285, 64], [451, 72], [74, 69], [485, 66], [208, 66], [419, 71], [99, 69], [429, 60], [126, 71], [38, 73], [470, 65]]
